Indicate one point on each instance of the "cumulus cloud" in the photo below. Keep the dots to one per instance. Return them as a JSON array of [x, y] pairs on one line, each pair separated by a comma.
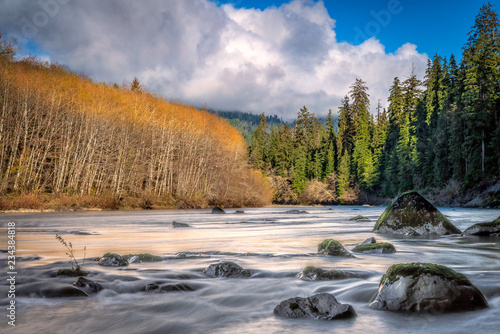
[[274, 60]]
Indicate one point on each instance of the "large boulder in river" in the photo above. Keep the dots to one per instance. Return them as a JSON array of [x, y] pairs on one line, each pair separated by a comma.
[[226, 269], [412, 214], [489, 228], [426, 287], [322, 306], [333, 248]]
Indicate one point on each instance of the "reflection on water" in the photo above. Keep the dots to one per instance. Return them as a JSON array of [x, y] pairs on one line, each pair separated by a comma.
[[275, 245]]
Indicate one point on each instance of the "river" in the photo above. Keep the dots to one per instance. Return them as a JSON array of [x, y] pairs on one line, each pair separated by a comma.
[[274, 245]]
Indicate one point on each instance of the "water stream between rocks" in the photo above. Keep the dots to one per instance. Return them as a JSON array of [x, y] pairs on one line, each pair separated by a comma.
[[274, 245]]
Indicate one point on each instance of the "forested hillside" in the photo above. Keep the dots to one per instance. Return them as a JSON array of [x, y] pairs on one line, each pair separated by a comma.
[[439, 132], [246, 122], [68, 141]]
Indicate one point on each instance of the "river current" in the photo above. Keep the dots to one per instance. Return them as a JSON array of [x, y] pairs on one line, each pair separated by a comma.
[[275, 244]]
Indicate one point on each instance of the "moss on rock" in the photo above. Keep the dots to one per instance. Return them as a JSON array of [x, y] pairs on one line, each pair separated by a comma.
[[417, 269], [359, 218], [319, 274], [412, 211], [333, 248], [385, 247], [144, 257], [71, 272]]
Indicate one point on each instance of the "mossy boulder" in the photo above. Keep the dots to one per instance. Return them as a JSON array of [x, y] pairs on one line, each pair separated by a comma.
[[375, 248], [311, 273], [112, 260], [426, 287], [367, 241], [322, 306], [333, 248], [227, 269], [143, 257], [412, 213], [489, 228]]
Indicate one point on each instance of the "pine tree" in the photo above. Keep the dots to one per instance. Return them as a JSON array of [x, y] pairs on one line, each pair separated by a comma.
[[481, 63], [259, 144]]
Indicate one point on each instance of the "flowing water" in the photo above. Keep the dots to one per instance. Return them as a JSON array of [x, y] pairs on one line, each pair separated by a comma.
[[274, 245]]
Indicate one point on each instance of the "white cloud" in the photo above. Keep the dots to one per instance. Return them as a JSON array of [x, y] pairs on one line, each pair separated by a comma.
[[274, 60]]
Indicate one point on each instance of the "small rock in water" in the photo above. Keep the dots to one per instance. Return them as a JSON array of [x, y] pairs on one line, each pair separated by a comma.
[[427, 287], [151, 287], [294, 212], [71, 272], [311, 273], [333, 248], [227, 269], [484, 229], [239, 211], [176, 224], [218, 211], [322, 306], [376, 248], [360, 218], [88, 285], [368, 241], [143, 257], [191, 255], [112, 260]]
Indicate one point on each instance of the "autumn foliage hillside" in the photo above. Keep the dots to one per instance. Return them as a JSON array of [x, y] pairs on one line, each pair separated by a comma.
[[66, 140]]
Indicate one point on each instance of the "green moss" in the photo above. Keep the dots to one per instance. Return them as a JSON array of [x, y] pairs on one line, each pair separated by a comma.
[[417, 269], [358, 218], [494, 223], [411, 209], [330, 245], [112, 255], [378, 245], [293, 306], [144, 257]]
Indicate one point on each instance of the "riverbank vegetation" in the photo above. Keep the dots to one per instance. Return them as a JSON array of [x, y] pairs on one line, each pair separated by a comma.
[[67, 141], [439, 134]]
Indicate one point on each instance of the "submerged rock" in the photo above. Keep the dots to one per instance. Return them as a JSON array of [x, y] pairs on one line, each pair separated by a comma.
[[322, 306], [176, 224], [88, 285], [376, 248], [333, 248], [227, 269], [426, 287], [71, 272], [218, 211], [311, 273], [294, 212], [410, 212], [360, 218], [239, 212], [191, 255], [155, 287], [490, 228], [112, 260], [143, 257]]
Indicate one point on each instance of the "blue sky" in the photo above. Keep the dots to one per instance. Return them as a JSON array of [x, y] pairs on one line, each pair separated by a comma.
[[435, 26], [257, 56]]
